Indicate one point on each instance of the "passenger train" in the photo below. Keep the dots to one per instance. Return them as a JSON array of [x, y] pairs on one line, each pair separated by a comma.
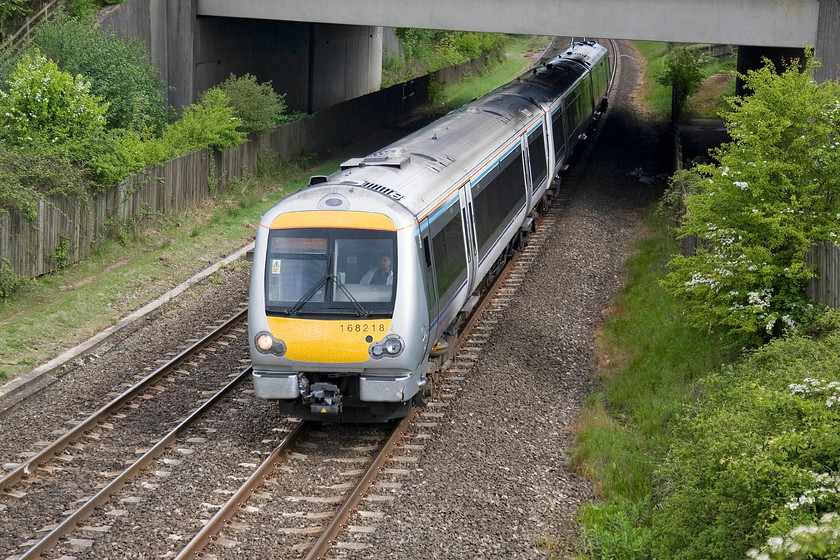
[[360, 279]]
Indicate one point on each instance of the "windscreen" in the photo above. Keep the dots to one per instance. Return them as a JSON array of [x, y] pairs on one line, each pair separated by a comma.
[[331, 271]]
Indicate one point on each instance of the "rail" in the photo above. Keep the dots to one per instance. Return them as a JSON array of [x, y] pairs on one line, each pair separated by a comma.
[[26, 468]]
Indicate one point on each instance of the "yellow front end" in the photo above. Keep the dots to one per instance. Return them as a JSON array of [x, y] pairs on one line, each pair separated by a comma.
[[328, 341]]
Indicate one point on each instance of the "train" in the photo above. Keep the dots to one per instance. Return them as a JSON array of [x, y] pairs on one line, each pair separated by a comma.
[[361, 280]]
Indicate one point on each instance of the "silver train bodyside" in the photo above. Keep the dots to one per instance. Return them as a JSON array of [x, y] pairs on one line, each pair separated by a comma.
[[444, 206]]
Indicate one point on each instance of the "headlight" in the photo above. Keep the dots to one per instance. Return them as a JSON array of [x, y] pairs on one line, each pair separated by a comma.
[[267, 344], [391, 347]]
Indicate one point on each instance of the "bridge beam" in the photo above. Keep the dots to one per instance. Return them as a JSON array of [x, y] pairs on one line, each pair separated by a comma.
[[779, 23]]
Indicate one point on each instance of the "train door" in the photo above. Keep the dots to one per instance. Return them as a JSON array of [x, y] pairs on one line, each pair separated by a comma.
[[526, 167], [559, 129], [537, 170], [471, 246], [428, 260]]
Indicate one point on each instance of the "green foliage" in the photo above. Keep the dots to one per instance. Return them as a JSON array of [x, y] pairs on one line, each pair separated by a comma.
[[118, 70], [258, 106], [83, 8], [9, 281], [427, 50], [615, 530], [683, 73], [43, 103], [61, 254], [820, 540], [10, 9], [774, 192], [757, 456], [209, 123], [31, 171]]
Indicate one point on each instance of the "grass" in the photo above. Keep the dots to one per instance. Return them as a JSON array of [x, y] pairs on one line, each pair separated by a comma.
[[60, 310], [706, 103], [648, 360], [517, 59]]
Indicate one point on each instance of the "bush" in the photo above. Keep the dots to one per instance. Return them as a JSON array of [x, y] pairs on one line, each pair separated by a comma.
[[31, 171], [806, 541], [258, 106], [757, 456], [210, 123], [118, 70], [10, 9], [44, 103], [772, 194], [9, 281]]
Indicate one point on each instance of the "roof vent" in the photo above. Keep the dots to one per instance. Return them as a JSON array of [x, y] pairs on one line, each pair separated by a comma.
[[394, 157]]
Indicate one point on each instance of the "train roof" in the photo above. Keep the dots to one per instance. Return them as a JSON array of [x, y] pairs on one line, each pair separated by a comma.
[[422, 170]]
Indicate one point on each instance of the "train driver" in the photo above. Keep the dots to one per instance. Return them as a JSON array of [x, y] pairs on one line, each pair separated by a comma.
[[381, 275]]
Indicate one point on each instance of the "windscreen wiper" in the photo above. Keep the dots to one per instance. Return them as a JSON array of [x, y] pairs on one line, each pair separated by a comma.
[[360, 310], [295, 309]]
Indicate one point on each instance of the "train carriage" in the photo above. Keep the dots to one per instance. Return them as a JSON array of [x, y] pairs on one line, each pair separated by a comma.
[[359, 276]]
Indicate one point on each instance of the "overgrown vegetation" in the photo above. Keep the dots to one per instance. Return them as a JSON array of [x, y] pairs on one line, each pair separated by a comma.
[[683, 73], [770, 195], [694, 459], [756, 456], [87, 109], [258, 107], [119, 70], [427, 50]]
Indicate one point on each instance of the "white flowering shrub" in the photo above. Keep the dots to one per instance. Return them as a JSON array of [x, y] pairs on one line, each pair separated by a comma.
[[772, 193], [820, 540], [42, 103], [756, 457]]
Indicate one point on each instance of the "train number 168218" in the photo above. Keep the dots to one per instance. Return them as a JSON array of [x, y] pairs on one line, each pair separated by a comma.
[[363, 327]]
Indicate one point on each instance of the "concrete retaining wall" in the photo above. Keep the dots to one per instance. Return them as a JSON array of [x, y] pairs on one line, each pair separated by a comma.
[[315, 65]]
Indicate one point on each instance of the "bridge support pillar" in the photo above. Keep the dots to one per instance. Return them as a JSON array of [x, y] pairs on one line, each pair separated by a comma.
[[316, 65], [828, 37]]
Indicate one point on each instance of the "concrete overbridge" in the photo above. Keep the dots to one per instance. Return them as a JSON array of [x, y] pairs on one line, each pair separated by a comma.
[[325, 51]]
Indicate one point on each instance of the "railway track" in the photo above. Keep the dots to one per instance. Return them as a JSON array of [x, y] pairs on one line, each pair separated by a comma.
[[44, 497]]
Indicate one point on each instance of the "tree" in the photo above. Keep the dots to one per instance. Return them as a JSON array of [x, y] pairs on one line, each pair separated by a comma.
[[684, 73], [210, 123], [774, 192], [118, 70], [258, 106]]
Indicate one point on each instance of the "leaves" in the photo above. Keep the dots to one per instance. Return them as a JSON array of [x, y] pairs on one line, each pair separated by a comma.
[[757, 456], [42, 102], [258, 106], [771, 195]]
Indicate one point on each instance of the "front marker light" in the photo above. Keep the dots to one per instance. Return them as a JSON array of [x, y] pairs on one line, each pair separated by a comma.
[[267, 344], [263, 342], [391, 347]]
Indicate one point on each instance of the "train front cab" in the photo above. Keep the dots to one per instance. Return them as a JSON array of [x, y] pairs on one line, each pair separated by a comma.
[[334, 343]]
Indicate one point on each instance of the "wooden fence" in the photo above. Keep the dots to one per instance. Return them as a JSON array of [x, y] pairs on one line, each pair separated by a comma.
[[825, 288], [21, 37]]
